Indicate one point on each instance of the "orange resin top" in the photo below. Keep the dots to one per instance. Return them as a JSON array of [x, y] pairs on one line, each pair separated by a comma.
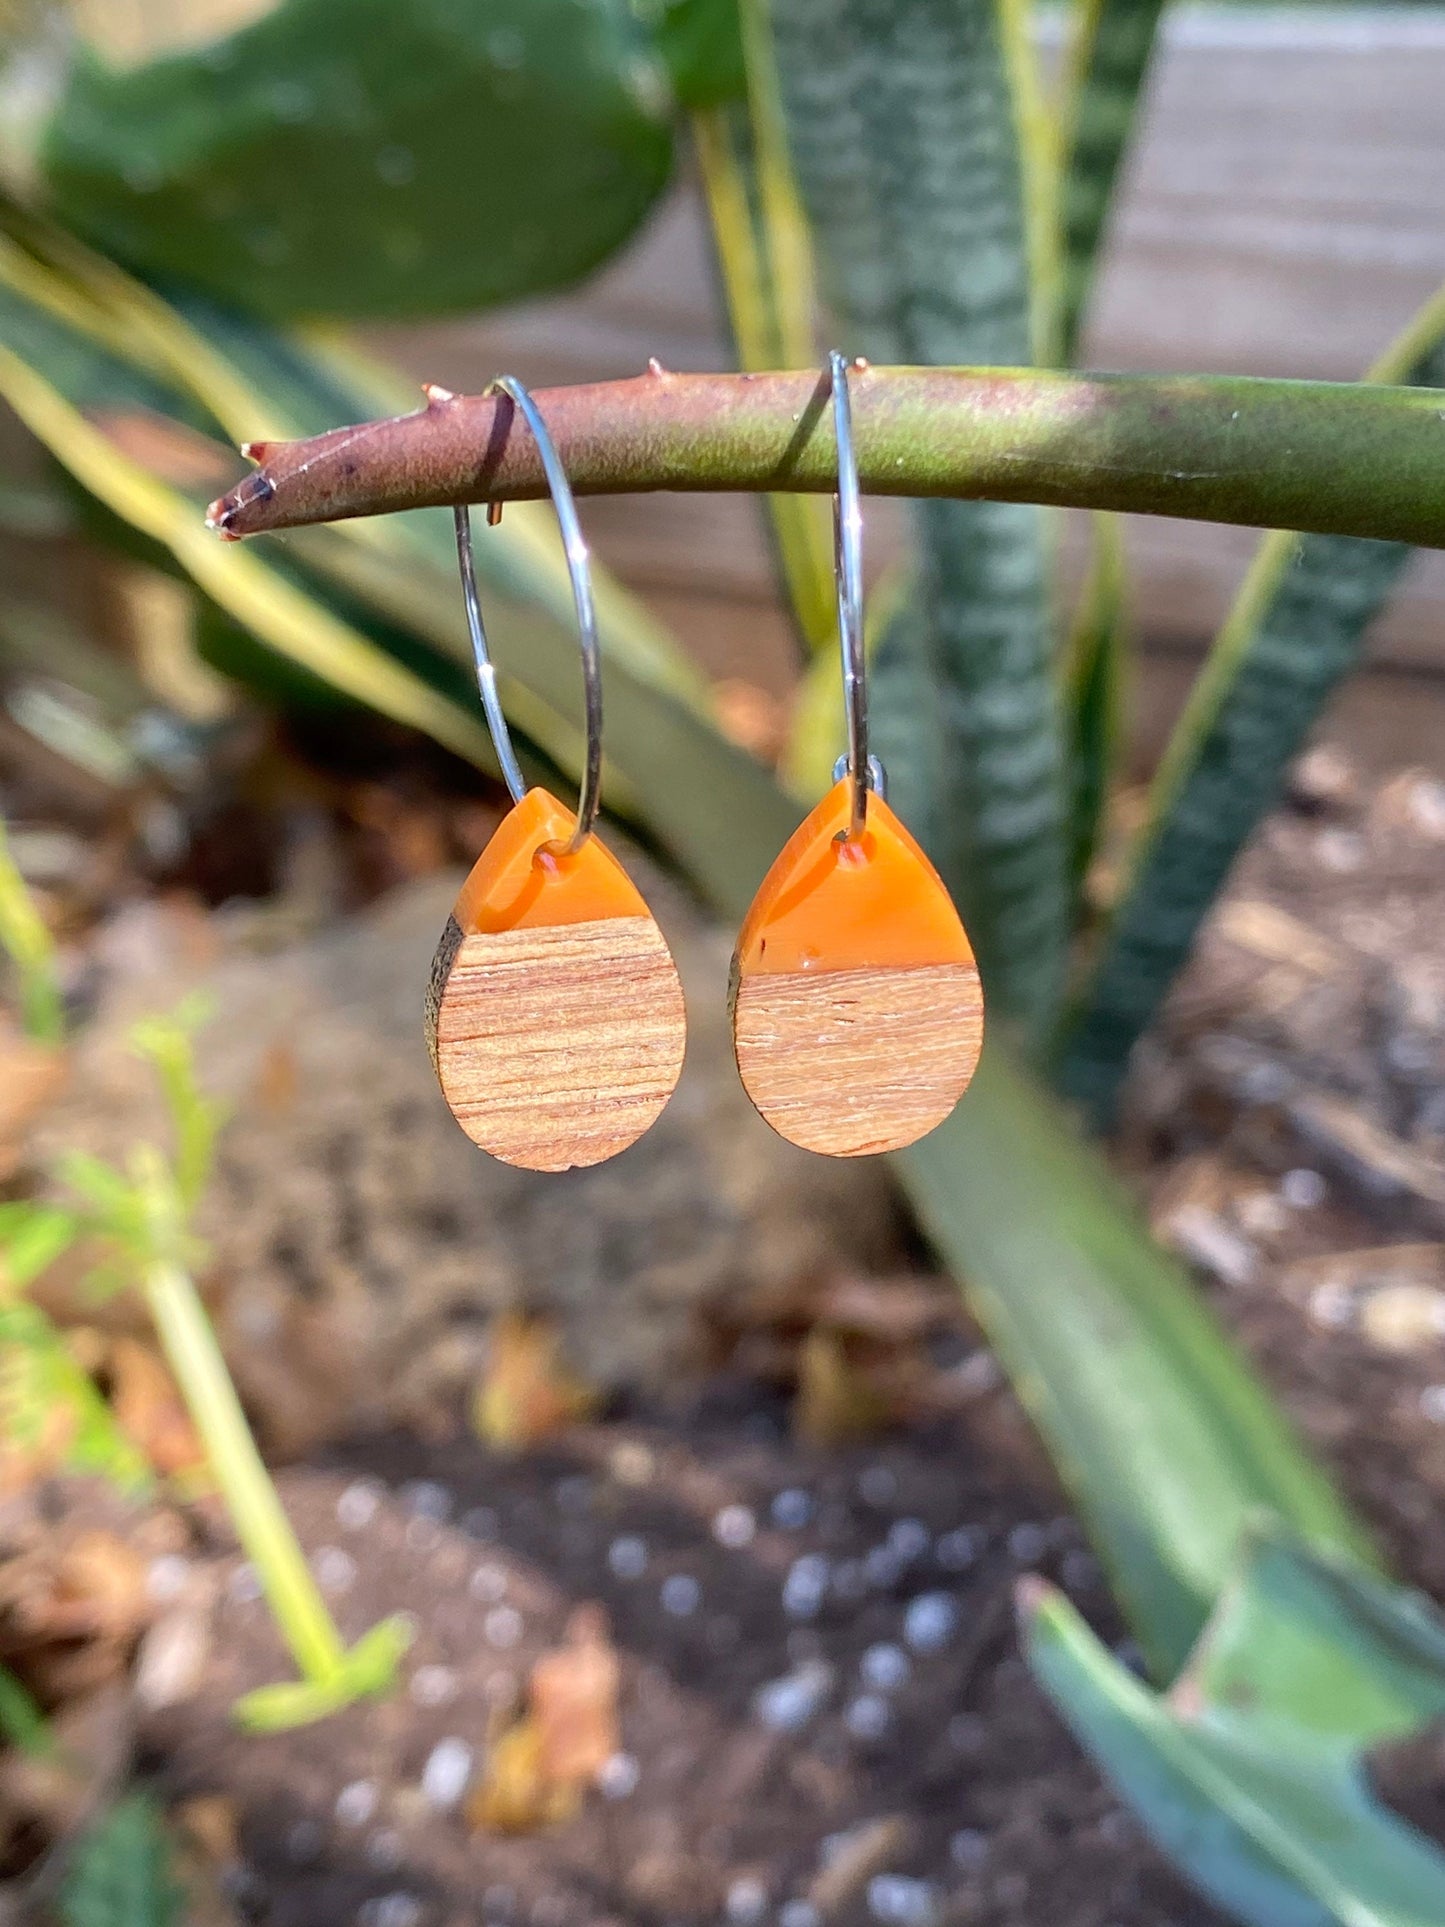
[[874, 904], [520, 883]]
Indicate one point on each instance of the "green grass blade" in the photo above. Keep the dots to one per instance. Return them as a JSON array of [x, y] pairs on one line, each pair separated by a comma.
[[1269, 1814], [903, 136], [1110, 46], [1166, 1440], [1296, 628], [765, 266]]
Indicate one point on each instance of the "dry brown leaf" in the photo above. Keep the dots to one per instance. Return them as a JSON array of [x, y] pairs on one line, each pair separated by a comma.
[[31, 1074], [539, 1770], [70, 1614], [527, 1393], [835, 1400], [278, 1079], [149, 1408]]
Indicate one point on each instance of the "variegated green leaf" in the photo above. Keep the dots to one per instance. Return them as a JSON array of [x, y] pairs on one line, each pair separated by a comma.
[[904, 144]]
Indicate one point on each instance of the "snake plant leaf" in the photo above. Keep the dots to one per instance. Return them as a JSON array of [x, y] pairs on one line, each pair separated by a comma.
[[1297, 627], [123, 1873], [1105, 72], [1095, 690], [903, 142], [1250, 1773], [1166, 1440], [354, 157]]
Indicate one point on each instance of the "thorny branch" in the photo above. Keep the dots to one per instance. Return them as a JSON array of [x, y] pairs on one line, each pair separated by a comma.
[[1336, 458]]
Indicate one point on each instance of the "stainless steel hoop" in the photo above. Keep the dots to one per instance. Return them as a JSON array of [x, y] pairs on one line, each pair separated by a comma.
[[865, 770], [574, 545]]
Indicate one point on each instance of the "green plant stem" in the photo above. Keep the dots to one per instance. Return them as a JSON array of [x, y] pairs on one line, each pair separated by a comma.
[[1330, 457], [261, 1523]]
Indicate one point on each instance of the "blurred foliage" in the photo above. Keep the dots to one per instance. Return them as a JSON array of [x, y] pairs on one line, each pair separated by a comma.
[[1252, 1772], [453, 155], [123, 1872]]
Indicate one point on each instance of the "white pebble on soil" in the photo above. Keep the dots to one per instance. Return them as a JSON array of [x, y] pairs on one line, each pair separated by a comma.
[[426, 1499], [792, 1509], [868, 1717], [788, 1703], [488, 1583], [433, 1685], [799, 1913], [335, 1570], [1027, 1542], [502, 1626], [627, 1557], [968, 1848], [884, 1667], [898, 1900], [956, 1551], [1432, 1404], [930, 1621], [734, 1527], [805, 1586], [681, 1595], [1303, 1189], [358, 1505], [908, 1538], [356, 1803], [446, 1773], [746, 1901], [617, 1777]]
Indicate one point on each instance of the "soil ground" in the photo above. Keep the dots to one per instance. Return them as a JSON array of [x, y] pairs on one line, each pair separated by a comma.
[[802, 1740]]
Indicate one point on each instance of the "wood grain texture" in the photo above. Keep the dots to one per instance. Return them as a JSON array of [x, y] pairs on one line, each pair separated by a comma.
[[556, 1046], [849, 1062]]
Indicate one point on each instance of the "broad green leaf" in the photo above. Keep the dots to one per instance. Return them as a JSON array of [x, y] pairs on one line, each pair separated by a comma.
[[354, 157], [123, 1872], [1105, 70], [903, 138], [1164, 1437], [1094, 689], [1249, 1773], [702, 44], [45, 1397], [1296, 628], [1320, 1641]]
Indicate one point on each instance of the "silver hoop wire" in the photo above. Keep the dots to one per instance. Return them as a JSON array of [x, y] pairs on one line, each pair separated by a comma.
[[865, 770], [574, 545]]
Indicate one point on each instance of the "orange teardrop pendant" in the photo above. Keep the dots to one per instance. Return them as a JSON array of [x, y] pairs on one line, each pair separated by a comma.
[[554, 1011], [857, 1010]]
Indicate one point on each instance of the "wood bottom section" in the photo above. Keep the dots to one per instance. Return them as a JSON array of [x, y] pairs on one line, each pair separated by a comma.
[[556, 1046], [849, 1062]]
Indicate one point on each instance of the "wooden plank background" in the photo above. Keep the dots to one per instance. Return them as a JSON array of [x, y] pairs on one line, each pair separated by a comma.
[[1283, 215]]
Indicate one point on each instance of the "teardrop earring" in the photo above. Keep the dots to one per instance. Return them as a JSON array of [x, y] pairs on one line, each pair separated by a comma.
[[856, 1004], [554, 1012]]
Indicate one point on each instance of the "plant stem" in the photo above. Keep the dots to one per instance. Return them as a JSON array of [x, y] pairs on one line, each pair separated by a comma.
[[1329, 457], [261, 1524]]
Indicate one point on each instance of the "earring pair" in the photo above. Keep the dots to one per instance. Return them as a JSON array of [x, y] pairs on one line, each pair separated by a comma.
[[554, 1013]]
